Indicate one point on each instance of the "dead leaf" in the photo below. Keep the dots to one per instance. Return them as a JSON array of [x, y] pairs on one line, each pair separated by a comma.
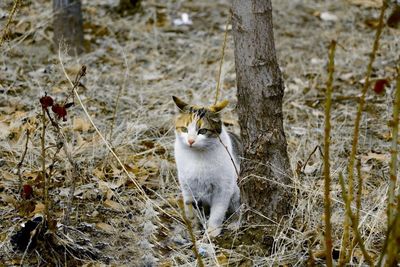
[[327, 16], [4, 130], [113, 205], [347, 76], [375, 156], [153, 76], [8, 199], [39, 208], [22, 27], [8, 176], [310, 169], [222, 259], [81, 124], [372, 23], [367, 3], [105, 227], [98, 173]]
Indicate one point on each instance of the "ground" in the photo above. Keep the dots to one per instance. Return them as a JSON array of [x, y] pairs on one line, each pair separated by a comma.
[[135, 63]]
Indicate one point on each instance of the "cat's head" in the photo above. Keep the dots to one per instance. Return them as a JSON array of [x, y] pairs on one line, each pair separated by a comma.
[[196, 126]]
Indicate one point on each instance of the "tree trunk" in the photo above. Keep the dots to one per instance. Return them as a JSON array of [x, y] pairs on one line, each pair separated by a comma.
[[67, 25], [129, 6], [265, 168]]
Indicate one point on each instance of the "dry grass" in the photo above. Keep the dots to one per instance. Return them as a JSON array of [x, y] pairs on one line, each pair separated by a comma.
[[147, 59]]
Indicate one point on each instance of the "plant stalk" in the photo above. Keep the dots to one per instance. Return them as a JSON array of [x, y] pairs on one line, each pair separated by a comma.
[[45, 182], [350, 169], [327, 175]]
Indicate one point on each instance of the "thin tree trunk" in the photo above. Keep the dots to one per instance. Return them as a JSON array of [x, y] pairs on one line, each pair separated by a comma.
[[68, 25], [265, 169]]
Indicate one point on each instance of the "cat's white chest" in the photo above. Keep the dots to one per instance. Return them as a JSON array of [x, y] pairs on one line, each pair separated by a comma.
[[195, 163], [205, 172]]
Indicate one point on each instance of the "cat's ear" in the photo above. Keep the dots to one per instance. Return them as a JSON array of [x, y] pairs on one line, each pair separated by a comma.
[[179, 103], [219, 106]]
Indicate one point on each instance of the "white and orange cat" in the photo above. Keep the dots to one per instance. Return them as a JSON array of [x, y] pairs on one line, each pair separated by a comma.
[[207, 172]]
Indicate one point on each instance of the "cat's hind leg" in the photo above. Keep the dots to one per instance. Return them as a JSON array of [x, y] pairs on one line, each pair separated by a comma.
[[234, 204]]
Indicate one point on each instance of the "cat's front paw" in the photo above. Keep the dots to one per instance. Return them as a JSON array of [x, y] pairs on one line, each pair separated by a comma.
[[213, 231]]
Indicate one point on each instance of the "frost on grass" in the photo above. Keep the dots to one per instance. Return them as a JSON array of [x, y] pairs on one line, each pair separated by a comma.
[[145, 59]]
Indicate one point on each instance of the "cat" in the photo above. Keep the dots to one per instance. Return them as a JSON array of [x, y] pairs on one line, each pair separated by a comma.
[[207, 159]]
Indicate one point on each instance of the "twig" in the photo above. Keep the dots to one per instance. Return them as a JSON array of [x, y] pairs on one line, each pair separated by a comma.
[[121, 89], [45, 182], [19, 165], [62, 144], [191, 234], [10, 17], [134, 181], [229, 154], [312, 153], [75, 171], [346, 236], [327, 175], [143, 194], [351, 216], [75, 84], [137, 185], [217, 90]]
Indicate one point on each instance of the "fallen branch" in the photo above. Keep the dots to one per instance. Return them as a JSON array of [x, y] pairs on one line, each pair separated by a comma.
[[19, 165]]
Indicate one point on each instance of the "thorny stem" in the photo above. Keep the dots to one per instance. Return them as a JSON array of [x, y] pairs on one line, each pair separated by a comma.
[[359, 191], [327, 176], [393, 162], [10, 17], [22, 160], [61, 144], [346, 236], [353, 220], [358, 202], [392, 246], [191, 234], [222, 60], [54, 161], [389, 232]]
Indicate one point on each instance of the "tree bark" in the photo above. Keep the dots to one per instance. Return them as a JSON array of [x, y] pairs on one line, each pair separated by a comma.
[[68, 25], [265, 168]]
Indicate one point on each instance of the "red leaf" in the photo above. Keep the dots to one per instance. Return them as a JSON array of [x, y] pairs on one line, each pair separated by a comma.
[[61, 111], [27, 191], [46, 101], [380, 84]]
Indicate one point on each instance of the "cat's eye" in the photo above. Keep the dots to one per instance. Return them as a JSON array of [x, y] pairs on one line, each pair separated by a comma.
[[184, 130], [202, 131]]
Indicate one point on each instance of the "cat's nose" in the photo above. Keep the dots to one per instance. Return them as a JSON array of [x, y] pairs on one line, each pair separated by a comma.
[[191, 142]]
